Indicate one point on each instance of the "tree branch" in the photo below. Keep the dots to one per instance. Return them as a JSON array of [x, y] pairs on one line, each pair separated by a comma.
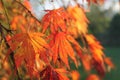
[[7, 30], [27, 11]]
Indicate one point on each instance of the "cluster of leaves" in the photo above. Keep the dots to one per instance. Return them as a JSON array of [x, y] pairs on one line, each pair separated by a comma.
[[46, 47]]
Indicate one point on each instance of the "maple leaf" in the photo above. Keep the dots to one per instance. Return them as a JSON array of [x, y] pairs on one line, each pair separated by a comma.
[[108, 61], [27, 4], [95, 1], [18, 22], [76, 45], [99, 67], [95, 47], [26, 46], [78, 20], [75, 75], [55, 19], [97, 53], [93, 77], [53, 74], [86, 60], [62, 48]]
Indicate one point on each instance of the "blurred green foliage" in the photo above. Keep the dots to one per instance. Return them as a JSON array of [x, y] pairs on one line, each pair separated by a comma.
[[114, 54], [103, 26], [113, 34], [99, 22]]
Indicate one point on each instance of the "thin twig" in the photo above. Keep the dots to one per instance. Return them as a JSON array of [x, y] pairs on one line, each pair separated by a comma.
[[27, 11], [7, 30], [14, 66]]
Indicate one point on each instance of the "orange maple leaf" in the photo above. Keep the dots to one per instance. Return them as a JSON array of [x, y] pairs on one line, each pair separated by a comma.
[[27, 4], [18, 22], [55, 19], [75, 75], [78, 20], [62, 48], [26, 46], [108, 61], [93, 77], [86, 60], [97, 53], [95, 47]]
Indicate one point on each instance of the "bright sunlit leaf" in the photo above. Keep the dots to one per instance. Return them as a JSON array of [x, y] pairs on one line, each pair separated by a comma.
[[78, 20], [26, 46]]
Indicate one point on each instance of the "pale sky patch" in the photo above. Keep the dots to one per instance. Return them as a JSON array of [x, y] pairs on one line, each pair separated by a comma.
[[38, 6]]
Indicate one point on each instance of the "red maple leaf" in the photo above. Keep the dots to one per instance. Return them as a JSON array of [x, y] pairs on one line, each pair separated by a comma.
[[50, 73], [55, 19]]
